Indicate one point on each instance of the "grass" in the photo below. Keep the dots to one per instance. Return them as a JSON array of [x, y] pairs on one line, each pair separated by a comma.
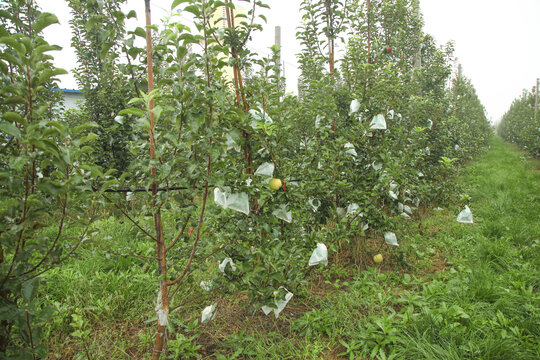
[[471, 291], [110, 296]]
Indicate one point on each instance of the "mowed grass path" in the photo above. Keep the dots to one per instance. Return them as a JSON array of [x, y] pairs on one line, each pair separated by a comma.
[[487, 305], [469, 291]]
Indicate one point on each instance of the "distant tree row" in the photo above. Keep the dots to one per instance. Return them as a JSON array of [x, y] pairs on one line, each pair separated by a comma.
[[521, 124]]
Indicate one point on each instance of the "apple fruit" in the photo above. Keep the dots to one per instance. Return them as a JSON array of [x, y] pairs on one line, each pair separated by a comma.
[[378, 258], [275, 184], [388, 49]]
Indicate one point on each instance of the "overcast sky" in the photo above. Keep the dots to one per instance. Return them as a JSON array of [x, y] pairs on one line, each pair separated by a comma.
[[496, 41]]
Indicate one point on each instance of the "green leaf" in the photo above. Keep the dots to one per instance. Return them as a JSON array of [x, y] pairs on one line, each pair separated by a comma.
[[89, 125], [105, 49], [135, 101], [6, 15], [131, 14], [44, 20], [108, 184], [48, 146], [139, 31], [144, 123], [90, 137], [91, 23], [18, 163], [190, 39], [58, 126], [181, 52], [10, 129], [175, 3], [12, 116], [47, 74], [194, 9], [12, 42], [49, 187], [12, 100], [157, 112], [86, 149], [8, 312], [29, 289], [134, 51], [44, 48]]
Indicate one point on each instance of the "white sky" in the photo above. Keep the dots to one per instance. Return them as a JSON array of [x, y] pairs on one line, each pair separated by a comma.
[[496, 41]]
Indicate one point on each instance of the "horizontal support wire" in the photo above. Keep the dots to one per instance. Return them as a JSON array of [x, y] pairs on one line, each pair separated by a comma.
[[174, 188]]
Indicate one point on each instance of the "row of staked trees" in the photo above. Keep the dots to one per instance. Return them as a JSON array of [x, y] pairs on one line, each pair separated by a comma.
[[369, 140], [521, 123]]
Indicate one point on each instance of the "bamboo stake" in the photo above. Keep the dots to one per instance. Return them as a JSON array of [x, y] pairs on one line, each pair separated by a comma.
[[162, 306], [536, 99], [240, 93]]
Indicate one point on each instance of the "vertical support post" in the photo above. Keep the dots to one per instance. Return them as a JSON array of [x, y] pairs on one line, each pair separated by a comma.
[[536, 100], [277, 39], [277, 43], [331, 36], [150, 78], [368, 15], [162, 306], [418, 57]]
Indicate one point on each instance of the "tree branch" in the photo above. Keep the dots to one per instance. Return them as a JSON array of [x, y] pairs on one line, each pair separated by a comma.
[[179, 235], [81, 239], [60, 228], [199, 263], [129, 217]]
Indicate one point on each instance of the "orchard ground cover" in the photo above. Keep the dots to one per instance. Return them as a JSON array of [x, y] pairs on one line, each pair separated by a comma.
[[455, 291]]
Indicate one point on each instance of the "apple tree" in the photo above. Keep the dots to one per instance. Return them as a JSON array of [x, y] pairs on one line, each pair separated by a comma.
[[48, 201]]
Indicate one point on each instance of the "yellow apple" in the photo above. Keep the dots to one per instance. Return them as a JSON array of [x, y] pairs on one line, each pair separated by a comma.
[[275, 184], [378, 258]]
